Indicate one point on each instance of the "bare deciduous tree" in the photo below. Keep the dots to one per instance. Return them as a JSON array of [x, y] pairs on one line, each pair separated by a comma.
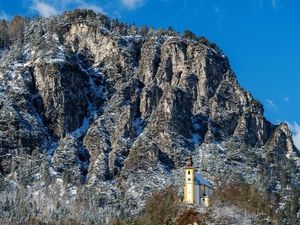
[[16, 28]]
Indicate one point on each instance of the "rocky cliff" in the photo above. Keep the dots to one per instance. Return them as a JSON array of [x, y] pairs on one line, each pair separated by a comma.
[[93, 108]]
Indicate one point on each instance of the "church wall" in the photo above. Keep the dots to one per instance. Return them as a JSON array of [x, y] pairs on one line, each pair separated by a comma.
[[190, 193], [197, 194]]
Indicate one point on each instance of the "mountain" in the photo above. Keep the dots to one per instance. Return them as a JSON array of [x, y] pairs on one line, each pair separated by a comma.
[[96, 115]]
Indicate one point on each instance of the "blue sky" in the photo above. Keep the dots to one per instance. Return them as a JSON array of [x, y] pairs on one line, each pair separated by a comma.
[[260, 37]]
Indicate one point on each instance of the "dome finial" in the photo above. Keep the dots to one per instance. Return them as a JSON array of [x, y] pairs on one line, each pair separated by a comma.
[[189, 162]]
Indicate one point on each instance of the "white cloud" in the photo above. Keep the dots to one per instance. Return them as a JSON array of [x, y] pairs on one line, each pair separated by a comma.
[[295, 128], [44, 9], [286, 99], [271, 104], [48, 8], [132, 4]]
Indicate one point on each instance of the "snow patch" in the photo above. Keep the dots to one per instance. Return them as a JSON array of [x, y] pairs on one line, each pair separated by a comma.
[[59, 55], [104, 30], [37, 176], [52, 171], [57, 60], [221, 148], [131, 37], [81, 130], [73, 191]]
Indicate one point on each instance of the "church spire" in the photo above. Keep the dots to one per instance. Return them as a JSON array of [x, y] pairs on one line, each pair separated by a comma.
[[189, 162]]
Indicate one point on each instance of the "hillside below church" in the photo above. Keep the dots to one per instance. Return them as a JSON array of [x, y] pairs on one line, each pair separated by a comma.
[[97, 115]]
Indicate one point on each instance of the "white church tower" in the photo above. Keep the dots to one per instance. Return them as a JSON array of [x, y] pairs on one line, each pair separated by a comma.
[[197, 190]]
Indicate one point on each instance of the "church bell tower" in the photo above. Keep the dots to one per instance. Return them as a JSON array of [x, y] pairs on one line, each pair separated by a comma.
[[189, 172]]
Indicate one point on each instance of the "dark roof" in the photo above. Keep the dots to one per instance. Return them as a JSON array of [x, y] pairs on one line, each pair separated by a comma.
[[202, 181]]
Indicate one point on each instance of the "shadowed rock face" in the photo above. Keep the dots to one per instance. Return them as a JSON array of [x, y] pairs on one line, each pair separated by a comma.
[[108, 106], [61, 88]]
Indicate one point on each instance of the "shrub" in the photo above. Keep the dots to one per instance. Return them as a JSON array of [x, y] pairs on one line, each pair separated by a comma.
[[191, 216], [187, 34], [161, 208], [246, 197], [81, 14], [214, 46], [203, 40], [144, 30]]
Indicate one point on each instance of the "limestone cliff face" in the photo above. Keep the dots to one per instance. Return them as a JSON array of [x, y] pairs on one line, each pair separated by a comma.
[[107, 106]]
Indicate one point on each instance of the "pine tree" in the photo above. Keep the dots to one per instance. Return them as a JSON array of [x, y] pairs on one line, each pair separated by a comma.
[[187, 34], [4, 38], [46, 175], [2, 182]]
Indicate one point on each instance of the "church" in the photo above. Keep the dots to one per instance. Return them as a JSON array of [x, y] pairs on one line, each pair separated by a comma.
[[197, 190]]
